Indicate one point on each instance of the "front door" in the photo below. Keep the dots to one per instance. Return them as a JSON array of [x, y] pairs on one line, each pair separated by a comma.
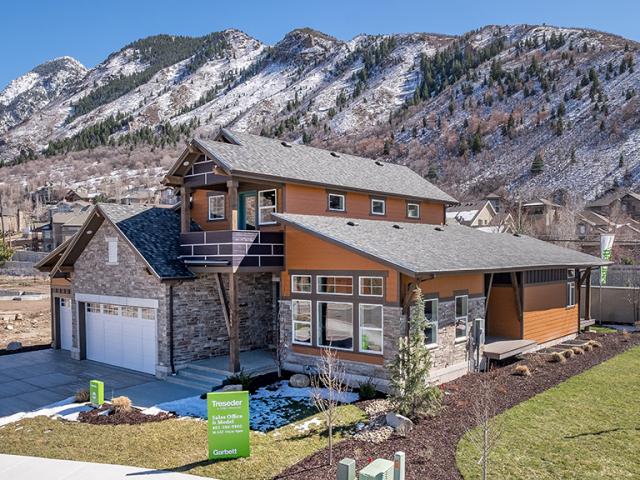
[[247, 211]]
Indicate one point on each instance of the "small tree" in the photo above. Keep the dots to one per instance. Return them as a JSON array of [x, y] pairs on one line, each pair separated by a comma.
[[411, 394], [6, 252], [538, 164], [328, 387]]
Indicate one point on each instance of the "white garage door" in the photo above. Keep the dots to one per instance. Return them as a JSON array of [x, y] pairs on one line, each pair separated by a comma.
[[122, 335], [65, 324]]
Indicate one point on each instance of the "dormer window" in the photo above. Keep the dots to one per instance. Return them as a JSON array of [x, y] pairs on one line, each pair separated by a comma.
[[112, 251], [378, 206], [413, 210], [336, 202]]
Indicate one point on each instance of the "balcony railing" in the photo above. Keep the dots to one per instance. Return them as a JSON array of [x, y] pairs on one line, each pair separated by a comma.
[[248, 249]]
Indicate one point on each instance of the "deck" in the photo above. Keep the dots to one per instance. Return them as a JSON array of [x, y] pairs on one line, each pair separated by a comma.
[[496, 348]]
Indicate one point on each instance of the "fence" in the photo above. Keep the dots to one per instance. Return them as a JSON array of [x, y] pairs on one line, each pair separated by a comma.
[[21, 264], [618, 305]]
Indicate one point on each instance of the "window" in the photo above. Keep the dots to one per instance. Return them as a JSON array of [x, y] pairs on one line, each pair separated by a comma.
[[132, 312], [571, 294], [301, 283], [266, 206], [108, 309], [377, 206], [63, 303], [371, 286], [93, 308], [216, 207], [112, 251], [336, 202], [335, 325], [462, 316], [431, 314], [371, 333], [301, 317], [413, 210], [148, 313], [335, 285]]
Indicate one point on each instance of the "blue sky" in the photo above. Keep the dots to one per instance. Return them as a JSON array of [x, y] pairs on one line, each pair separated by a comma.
[[33, 31]]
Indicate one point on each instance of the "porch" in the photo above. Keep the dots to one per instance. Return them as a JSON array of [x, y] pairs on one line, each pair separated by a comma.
[[498, 348]]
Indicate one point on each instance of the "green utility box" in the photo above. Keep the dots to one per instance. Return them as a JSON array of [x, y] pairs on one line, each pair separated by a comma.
[[96, 392], [379, 469]]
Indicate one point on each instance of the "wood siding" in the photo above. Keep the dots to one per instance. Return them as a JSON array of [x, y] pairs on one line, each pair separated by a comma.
[[304, 251], [546, 316], [313, 201], [342, 355], [446, 286], [502, 316]]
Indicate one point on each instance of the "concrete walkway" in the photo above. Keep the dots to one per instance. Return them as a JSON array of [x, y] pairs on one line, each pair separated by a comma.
[[29, 468], [31, 380]]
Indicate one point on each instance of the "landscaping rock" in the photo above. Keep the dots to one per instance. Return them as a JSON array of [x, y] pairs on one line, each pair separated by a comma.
[[401, 424], [9, 327], [231, 388], [299, 380], [14, 346]]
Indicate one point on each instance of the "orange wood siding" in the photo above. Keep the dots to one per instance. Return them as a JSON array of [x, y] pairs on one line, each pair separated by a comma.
[[307, 252], [502, 316], [60, 282], [342, 355], [313, 201], [446, 285], [546, 316], [200, 211]]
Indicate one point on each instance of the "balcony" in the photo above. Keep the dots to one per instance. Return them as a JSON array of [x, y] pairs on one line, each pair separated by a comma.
[[248, 250]]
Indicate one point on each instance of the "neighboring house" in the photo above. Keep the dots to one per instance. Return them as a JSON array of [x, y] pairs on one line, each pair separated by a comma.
[[477, 214], [139, 196], [63, 225], [501, 223], [166, 196], [46, 195], [13, 220], [616, 203], [590, 225], [541, 213], [284, 244], [498, 199]]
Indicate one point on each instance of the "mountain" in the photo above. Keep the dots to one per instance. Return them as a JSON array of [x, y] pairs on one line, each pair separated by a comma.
[[470, 112]]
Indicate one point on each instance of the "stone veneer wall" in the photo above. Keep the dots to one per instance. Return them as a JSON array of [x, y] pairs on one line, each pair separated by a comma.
[[450, 358]]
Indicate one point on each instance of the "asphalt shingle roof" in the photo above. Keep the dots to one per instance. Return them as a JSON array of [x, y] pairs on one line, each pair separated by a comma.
[[421, 248], [154, 232], [269, 157]]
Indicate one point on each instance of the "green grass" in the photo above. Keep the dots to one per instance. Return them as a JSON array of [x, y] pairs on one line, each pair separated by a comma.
[[585, 428], [179, 445], [598, 329]]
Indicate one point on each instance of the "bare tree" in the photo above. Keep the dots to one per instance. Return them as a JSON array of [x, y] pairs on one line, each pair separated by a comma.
[[486, 436], [328, 388]]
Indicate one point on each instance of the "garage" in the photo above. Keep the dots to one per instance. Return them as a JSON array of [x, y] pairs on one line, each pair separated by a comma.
[[121, 335], [65, 324]]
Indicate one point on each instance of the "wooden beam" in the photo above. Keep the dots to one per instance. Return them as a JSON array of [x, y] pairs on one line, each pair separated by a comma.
[[587, 295], [516, 290], [232, 186], [173, 180], [234, 321], [223, 302], [185, 209], [579, 278], [486, 305]]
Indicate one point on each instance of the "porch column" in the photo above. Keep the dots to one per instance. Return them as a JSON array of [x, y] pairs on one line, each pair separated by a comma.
[[587, 295], [578, 276], [185, 209], [232, 187], [234, 325]]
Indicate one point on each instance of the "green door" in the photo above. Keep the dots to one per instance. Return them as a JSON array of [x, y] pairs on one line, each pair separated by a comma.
[[247, 210]]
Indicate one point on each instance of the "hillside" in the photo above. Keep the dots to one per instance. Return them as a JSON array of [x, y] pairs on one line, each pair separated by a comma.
[[470, 112]]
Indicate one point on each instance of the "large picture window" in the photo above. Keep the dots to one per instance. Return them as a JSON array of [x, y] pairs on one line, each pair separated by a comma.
[[301, 283], [431, 314], [371, 328], [216, 207], [301, 319], [371, 286], [267, 201], [335, 325], [462, 316], [335, 285]]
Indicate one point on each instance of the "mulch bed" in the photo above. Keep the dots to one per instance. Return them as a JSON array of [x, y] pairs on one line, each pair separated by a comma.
[[431, 447], [134, 417]]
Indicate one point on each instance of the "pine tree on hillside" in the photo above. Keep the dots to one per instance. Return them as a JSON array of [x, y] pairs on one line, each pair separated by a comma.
[[537, 166]]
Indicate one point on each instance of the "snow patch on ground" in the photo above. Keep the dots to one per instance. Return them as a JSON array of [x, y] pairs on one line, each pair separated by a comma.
[[65, 409]]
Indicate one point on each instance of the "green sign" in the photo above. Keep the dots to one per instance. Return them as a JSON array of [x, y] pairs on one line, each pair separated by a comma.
[[228, 425], [96, 392]]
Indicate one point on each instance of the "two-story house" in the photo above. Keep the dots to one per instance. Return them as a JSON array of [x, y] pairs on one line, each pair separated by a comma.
[[276, 243]]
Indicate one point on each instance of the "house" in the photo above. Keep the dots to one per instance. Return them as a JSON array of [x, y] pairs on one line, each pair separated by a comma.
[[621, 202], [541, 213], [12, 220], [498, 199], [501, 223], [473, 214], [64, 224], [139, 196], [284, 245]]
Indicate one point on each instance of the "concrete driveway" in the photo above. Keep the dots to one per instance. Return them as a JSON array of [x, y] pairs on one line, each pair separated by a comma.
[[32, 380]]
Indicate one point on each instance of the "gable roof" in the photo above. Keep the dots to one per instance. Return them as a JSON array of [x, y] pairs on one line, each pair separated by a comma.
[[253, 155], [466, 213], [420, 249], [152, 232]]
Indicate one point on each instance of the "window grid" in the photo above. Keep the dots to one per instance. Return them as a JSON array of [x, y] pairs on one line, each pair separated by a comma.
[[331, 284], [267, 202], [301, 321], [216, 207], [301, 283], [371, 286]]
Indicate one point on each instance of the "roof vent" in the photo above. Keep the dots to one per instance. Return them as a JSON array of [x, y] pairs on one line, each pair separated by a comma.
[[379, 163], [439, 229], [396, 226], [516, 234], [334, 154], [285, 144], [352, 224]]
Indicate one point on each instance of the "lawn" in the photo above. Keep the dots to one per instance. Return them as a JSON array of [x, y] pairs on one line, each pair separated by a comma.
[[599, 329], [586, 428], [177, 445]]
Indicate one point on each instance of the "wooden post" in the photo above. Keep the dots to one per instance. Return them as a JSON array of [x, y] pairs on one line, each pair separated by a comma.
[[486, 306], [185, 209], [516, 291], [578, 293], [232, 186], [587, 295], [234, 324]]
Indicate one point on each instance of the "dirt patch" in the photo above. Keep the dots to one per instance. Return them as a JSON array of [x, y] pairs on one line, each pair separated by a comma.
[[431, 446], [25, 321], [134, 417]]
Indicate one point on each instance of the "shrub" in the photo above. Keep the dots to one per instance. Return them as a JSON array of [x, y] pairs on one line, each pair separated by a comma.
[[568, 353], [367, 389], [522, 371], [577, 350], [625, 336], [121, 404], [557, 357], [595, 344], [241, 378], [587, 348], [81, 396]]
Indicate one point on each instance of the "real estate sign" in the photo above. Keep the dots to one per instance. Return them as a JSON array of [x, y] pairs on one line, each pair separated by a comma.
[[96, 392], [228, 425]]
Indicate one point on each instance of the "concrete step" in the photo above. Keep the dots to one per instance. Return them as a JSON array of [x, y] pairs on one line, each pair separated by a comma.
[[185, 382], [208, 369], [201, 376]]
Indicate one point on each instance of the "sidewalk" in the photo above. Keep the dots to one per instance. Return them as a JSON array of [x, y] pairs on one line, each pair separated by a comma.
[[27, 468]]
